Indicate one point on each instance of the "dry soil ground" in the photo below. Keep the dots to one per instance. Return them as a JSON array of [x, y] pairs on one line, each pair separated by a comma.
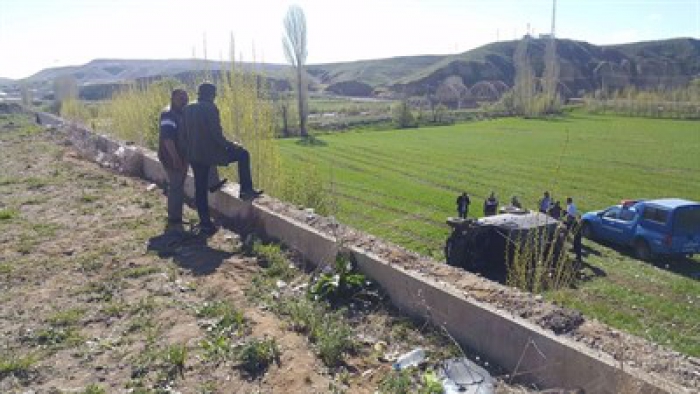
[[86, 307]]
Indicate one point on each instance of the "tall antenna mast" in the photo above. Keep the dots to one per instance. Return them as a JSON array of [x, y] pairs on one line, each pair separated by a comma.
[[554, 15]]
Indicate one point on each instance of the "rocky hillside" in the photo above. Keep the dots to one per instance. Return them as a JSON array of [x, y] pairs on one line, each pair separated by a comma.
[[584, 67]]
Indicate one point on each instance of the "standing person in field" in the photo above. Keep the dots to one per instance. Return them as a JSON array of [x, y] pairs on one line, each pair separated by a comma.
[[491, 205], [515, 202], [171, 153], [571, 211], [463, 205], [555, 211], [545, 203], [207, 147], [577, 242]]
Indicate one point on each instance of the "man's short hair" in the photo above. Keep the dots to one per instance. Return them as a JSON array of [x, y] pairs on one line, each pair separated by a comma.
[[177, 92], [206, 90]]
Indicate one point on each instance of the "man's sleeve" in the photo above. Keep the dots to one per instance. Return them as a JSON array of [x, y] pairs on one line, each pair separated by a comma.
[[215, 127], [168, 127]]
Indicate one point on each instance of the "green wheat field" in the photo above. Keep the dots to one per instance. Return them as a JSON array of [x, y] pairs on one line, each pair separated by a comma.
[[401, 185]]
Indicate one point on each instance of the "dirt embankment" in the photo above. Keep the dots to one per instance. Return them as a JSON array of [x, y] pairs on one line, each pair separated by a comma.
[[84, 304]]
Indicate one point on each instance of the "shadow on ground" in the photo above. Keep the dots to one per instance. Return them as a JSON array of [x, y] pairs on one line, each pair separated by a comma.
[[189, 251], [680, 265]]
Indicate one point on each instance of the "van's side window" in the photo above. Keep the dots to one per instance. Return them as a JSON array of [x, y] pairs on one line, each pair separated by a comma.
[[628, 214], [612, 213], [655, 214]]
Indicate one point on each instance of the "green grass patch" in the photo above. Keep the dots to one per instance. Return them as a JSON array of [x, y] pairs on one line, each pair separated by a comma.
[[224, 316], [94, 389], [273, 258], [8, 214], [115, 309], [66, 318], [5, 181], [100, 291], [13, 364], [88, 198], [256, 355], [45, 230], [637, 297], [35, 183], [57, 336], [326, 328], [35, 201], [138, 272], [174, 359]]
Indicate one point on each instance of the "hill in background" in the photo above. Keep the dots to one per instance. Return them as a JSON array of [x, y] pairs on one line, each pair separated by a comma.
[[584, 68]]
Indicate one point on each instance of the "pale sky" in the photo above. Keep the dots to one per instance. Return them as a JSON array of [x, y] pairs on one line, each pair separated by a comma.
[[36, 34]]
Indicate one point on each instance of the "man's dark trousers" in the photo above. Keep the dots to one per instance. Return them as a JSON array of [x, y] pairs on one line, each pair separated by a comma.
[[201, 181]]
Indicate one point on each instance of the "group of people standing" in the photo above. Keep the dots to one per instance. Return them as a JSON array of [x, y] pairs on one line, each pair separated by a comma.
[[547, 205], [191, 136]]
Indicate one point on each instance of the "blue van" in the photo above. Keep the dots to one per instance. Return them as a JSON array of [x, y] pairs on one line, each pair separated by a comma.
[[662, 227]]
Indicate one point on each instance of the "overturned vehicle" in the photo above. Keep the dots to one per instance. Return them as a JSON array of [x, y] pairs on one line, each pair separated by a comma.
[[488, 245]]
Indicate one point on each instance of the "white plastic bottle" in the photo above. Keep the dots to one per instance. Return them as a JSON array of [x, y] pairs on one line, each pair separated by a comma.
[[410, 359]]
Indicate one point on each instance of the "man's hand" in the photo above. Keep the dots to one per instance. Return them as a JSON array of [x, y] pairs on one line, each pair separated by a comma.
[[177, 162]]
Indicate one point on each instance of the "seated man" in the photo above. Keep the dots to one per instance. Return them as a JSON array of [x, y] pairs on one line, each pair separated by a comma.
[[207, 147]]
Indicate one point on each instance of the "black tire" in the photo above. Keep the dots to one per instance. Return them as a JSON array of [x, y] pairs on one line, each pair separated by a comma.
[[587, 230], [642, 250]]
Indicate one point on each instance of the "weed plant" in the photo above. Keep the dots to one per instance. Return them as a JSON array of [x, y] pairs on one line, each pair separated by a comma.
[[257, 355], [339, 285], [15, 365], [226, 318], [175, 357], [75, 110], [7, 214], [538, 261], [216, 347], [93, 389]]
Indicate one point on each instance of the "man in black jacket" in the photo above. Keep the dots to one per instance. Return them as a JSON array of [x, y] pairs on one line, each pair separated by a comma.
[[463, 205], [207, 147]]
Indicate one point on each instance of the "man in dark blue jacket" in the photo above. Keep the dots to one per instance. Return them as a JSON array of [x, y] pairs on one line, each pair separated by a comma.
[[171, 154], [491, 205], [207, 147]]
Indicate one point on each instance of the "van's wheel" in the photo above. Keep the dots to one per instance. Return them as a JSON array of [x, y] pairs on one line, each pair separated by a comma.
[[586, 230], [642, 250]]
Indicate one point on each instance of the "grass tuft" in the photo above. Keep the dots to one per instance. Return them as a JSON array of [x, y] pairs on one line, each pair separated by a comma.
[[12, 364], [257, 355], [8, 214]]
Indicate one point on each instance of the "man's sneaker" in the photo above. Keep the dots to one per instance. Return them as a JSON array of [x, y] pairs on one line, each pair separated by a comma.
[[249, 195], [218, 186], [174, 228]]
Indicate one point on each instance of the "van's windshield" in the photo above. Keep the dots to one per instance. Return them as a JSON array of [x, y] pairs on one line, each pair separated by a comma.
[[687, 221]]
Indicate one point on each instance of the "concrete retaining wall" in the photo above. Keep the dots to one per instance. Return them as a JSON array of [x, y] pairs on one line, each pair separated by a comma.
[[537, 356]]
